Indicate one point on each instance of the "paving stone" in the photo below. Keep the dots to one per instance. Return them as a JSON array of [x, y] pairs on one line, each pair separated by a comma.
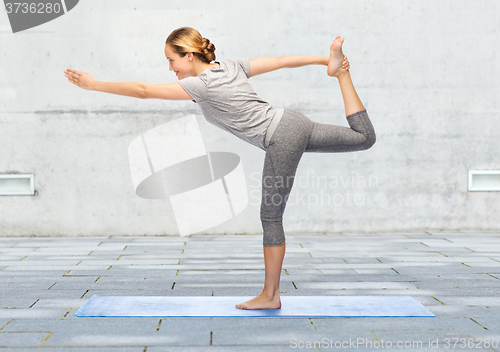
[[133, 257], [359, 292], [106, 332], [261, 331], [92, 271], [466, 284], [16, 303], [4, 322], [88, 325], [490, 265], [166, 291], [13, 282], [14, 339], [394, 323], [117, 338], [463, 311], [49, 294], [194, 266], [353, 277], [244, 291], [220, 277], [491, 301], [144, 279], [4, 258], [126, 262], [435, 269], [88, 269], [492, 323], [354, 285], [119, 271], [36, 263], [463, 291], [27, 273], [37, 268], [344, 271], [29, 314]]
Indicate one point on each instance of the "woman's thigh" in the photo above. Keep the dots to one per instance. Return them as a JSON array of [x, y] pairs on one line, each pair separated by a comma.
[[283, 155], [328, 138]]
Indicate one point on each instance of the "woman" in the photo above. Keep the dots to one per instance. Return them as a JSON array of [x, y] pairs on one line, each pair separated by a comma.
[[227, 100]]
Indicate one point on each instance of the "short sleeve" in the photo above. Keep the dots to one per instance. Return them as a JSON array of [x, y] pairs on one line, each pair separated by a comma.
[[245, 65], [195, 87]]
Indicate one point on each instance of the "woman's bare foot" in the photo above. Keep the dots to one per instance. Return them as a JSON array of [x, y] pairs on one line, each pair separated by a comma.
[[262, 301], [337, 63]]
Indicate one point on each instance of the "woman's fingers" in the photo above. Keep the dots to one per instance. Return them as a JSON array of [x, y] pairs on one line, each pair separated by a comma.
[[80, 79], [71, 75], [345, 63]]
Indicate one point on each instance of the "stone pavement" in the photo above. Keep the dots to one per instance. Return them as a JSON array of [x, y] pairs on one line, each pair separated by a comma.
[[44, 281]]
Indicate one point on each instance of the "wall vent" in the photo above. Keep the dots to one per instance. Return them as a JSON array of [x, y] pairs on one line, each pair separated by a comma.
[[484, 180], [17, 185]]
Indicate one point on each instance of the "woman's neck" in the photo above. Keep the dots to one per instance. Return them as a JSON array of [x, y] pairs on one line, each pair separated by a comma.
[[202, 66]]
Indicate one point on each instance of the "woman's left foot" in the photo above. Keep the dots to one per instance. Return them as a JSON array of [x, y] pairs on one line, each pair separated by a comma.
[[337, 62], [261, 302]]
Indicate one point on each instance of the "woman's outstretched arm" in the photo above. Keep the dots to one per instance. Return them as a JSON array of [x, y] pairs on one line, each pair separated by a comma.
[[267, 64], [169, 91]]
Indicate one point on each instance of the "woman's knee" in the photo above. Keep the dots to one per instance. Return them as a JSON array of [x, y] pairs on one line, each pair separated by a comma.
[[273, 233], [371, 138], [274, 244], [366, 129]]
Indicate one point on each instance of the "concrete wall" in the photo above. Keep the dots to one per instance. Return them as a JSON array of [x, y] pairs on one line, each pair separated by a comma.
[[427, 71]]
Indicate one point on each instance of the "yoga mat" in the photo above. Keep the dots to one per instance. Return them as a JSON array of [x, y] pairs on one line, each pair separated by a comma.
[[224, 306]]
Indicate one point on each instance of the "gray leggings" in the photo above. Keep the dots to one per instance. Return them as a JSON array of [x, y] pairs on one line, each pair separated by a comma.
[[294, 135]]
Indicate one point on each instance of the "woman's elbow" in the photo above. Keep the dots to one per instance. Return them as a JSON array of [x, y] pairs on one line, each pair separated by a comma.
[[142, 91]]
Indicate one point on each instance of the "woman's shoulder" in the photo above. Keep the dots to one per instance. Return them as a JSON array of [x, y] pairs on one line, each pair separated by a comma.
[[236, 61], [238, 64]]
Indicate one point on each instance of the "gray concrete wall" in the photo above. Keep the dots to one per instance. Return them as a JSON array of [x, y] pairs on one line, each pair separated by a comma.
[[427, 71]]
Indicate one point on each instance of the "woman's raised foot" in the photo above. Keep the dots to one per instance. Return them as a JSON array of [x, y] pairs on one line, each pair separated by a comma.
[[337, 62]]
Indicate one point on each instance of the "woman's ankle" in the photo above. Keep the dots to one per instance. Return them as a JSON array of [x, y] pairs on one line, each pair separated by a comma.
[[270, 293]]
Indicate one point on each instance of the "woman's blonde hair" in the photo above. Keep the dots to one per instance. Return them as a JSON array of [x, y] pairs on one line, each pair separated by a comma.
[[188, 40]]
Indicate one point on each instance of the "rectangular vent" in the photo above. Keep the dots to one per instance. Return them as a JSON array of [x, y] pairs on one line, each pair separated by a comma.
[[484, 180], [17, 185]]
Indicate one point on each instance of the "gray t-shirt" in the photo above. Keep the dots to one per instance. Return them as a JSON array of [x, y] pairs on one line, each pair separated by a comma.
[[228, 101]]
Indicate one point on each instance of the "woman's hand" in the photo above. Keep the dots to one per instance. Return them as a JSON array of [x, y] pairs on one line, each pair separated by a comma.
[[80, 79], [345, 64]]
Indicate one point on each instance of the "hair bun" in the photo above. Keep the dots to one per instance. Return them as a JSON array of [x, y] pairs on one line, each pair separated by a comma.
[[207, 45], [208, 50]]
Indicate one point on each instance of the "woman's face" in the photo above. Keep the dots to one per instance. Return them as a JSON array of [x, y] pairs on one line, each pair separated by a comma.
[[182, 66]]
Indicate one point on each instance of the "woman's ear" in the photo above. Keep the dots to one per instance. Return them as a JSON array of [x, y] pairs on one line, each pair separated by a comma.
[[190, 56]]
